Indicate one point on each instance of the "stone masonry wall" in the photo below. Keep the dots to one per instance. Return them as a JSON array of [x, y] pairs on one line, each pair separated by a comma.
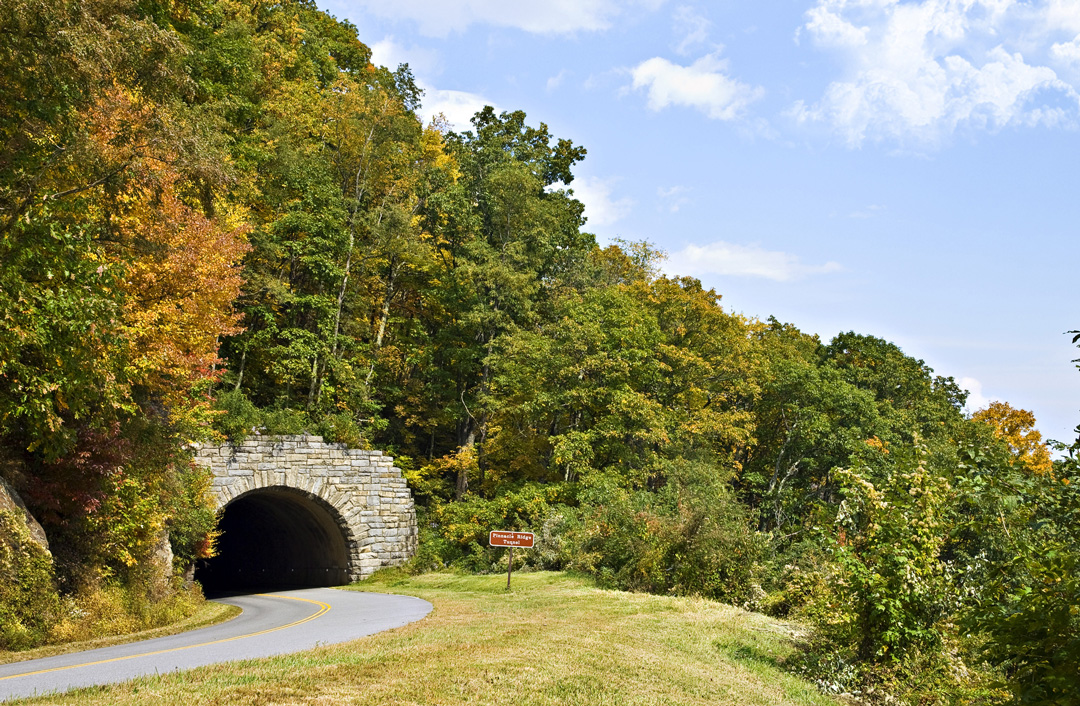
[[364, 491]]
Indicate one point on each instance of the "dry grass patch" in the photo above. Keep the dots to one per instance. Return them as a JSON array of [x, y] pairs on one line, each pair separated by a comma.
[[208, 613], [554, 640]]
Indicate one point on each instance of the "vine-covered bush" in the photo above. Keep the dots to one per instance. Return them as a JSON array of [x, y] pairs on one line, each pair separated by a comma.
[[28, 598], [896, 587]]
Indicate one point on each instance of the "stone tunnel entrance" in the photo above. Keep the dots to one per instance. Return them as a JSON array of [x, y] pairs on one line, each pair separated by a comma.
[[297, 511], [277, 537]]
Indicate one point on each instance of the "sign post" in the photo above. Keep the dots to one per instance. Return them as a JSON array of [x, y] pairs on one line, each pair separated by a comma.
[[511, 540]]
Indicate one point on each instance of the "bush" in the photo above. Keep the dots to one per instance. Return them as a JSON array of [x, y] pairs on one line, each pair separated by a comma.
[[1028, 608], [28, 599], [340, 429], [692, 537], [456, 533], [237, 416], [800, 586], [883, 610], [896, 587], [192, 524]]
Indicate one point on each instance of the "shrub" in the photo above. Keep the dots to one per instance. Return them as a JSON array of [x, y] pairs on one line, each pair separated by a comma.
[[459, 530], [112, 608], [691, 537], [237, 416], [28, 598], [890, 538], [340, 428], [192, 524], [884, 613], [1028, 609]]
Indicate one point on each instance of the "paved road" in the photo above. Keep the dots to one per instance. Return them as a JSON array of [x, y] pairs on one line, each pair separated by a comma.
[[271, 624]]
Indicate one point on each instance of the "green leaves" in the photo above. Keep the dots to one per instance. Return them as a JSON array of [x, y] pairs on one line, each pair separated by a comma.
[[1028, 605], [896, 583], [59, 312]]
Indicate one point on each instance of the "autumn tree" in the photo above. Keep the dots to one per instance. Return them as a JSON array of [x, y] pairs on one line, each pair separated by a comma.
[[1016, 427], [117, 280]]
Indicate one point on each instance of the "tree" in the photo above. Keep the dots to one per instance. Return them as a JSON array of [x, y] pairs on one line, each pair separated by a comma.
[[1016, 427], [503, 261]]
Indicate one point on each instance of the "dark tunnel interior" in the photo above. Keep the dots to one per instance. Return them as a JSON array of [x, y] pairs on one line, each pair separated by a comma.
[[275, 538]]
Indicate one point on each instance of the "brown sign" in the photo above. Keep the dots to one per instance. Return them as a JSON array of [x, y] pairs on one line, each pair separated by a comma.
[[510, 539]]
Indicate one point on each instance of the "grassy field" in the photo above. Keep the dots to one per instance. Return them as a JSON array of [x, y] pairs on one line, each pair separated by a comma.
[[554, 640]]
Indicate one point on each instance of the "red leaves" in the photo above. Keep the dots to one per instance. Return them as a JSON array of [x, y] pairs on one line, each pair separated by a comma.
[[71, 486]]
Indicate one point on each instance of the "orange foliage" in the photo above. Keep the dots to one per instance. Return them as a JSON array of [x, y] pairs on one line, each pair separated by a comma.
[[181, 268], [1017, 428]]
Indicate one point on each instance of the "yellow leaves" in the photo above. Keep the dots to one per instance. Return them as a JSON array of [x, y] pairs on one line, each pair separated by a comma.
[[1017, 428], [433, 151], [876, 443], [180, 267]]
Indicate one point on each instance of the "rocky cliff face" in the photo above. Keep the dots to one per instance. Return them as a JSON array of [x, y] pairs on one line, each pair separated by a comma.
[[10, 500]]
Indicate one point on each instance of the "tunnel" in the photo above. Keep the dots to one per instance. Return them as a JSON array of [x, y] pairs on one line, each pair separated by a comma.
[[276, 538]]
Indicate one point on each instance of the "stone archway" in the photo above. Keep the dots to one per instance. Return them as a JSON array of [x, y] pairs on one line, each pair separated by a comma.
[[278, 537], [300, 486]]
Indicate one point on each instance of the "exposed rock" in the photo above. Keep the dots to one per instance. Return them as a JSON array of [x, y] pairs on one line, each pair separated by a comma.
[[161, 561], [163, 554], [10, 500]]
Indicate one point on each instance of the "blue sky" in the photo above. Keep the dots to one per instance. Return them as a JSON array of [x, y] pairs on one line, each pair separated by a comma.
[[899, 168]]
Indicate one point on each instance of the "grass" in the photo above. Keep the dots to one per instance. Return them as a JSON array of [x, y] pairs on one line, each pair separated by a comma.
[[555, 639], [209, 613]]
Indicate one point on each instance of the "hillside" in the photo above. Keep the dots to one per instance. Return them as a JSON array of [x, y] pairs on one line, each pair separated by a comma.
[[555, 639]]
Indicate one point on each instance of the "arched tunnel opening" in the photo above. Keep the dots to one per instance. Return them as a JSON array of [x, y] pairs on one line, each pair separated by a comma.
[[276, 538]]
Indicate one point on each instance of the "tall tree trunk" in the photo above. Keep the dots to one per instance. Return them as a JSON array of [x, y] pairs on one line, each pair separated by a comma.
[[314, 382], [240, 374], [462, 484], [341, 293], [384, 317]]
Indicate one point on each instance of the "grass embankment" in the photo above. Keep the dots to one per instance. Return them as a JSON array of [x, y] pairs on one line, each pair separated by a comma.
[[554, 640], [209, 613]]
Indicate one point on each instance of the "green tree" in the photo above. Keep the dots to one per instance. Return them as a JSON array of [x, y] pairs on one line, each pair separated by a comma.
[[808, 420], [896, 589]]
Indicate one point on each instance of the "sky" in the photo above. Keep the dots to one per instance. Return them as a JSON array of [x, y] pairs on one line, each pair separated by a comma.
[[898, 168]]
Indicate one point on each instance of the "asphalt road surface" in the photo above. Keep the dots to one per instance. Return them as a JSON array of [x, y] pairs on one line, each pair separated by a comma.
[[271, 624]]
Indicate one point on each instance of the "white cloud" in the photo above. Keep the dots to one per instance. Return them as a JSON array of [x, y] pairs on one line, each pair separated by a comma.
[[439, 18], [868, 212], [976, 400], [555, 81], [1063, 14], [389, 53], [601, 208], [702, 85], [1067, 52], [920, 70], [457, 106], [723, 258], [674, 197], [692, 26]]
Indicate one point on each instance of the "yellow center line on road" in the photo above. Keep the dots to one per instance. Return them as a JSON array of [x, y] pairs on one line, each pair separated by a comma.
[[323, 608]]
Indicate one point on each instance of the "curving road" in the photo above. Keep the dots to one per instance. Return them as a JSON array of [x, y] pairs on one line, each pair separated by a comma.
[[271, 624]]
